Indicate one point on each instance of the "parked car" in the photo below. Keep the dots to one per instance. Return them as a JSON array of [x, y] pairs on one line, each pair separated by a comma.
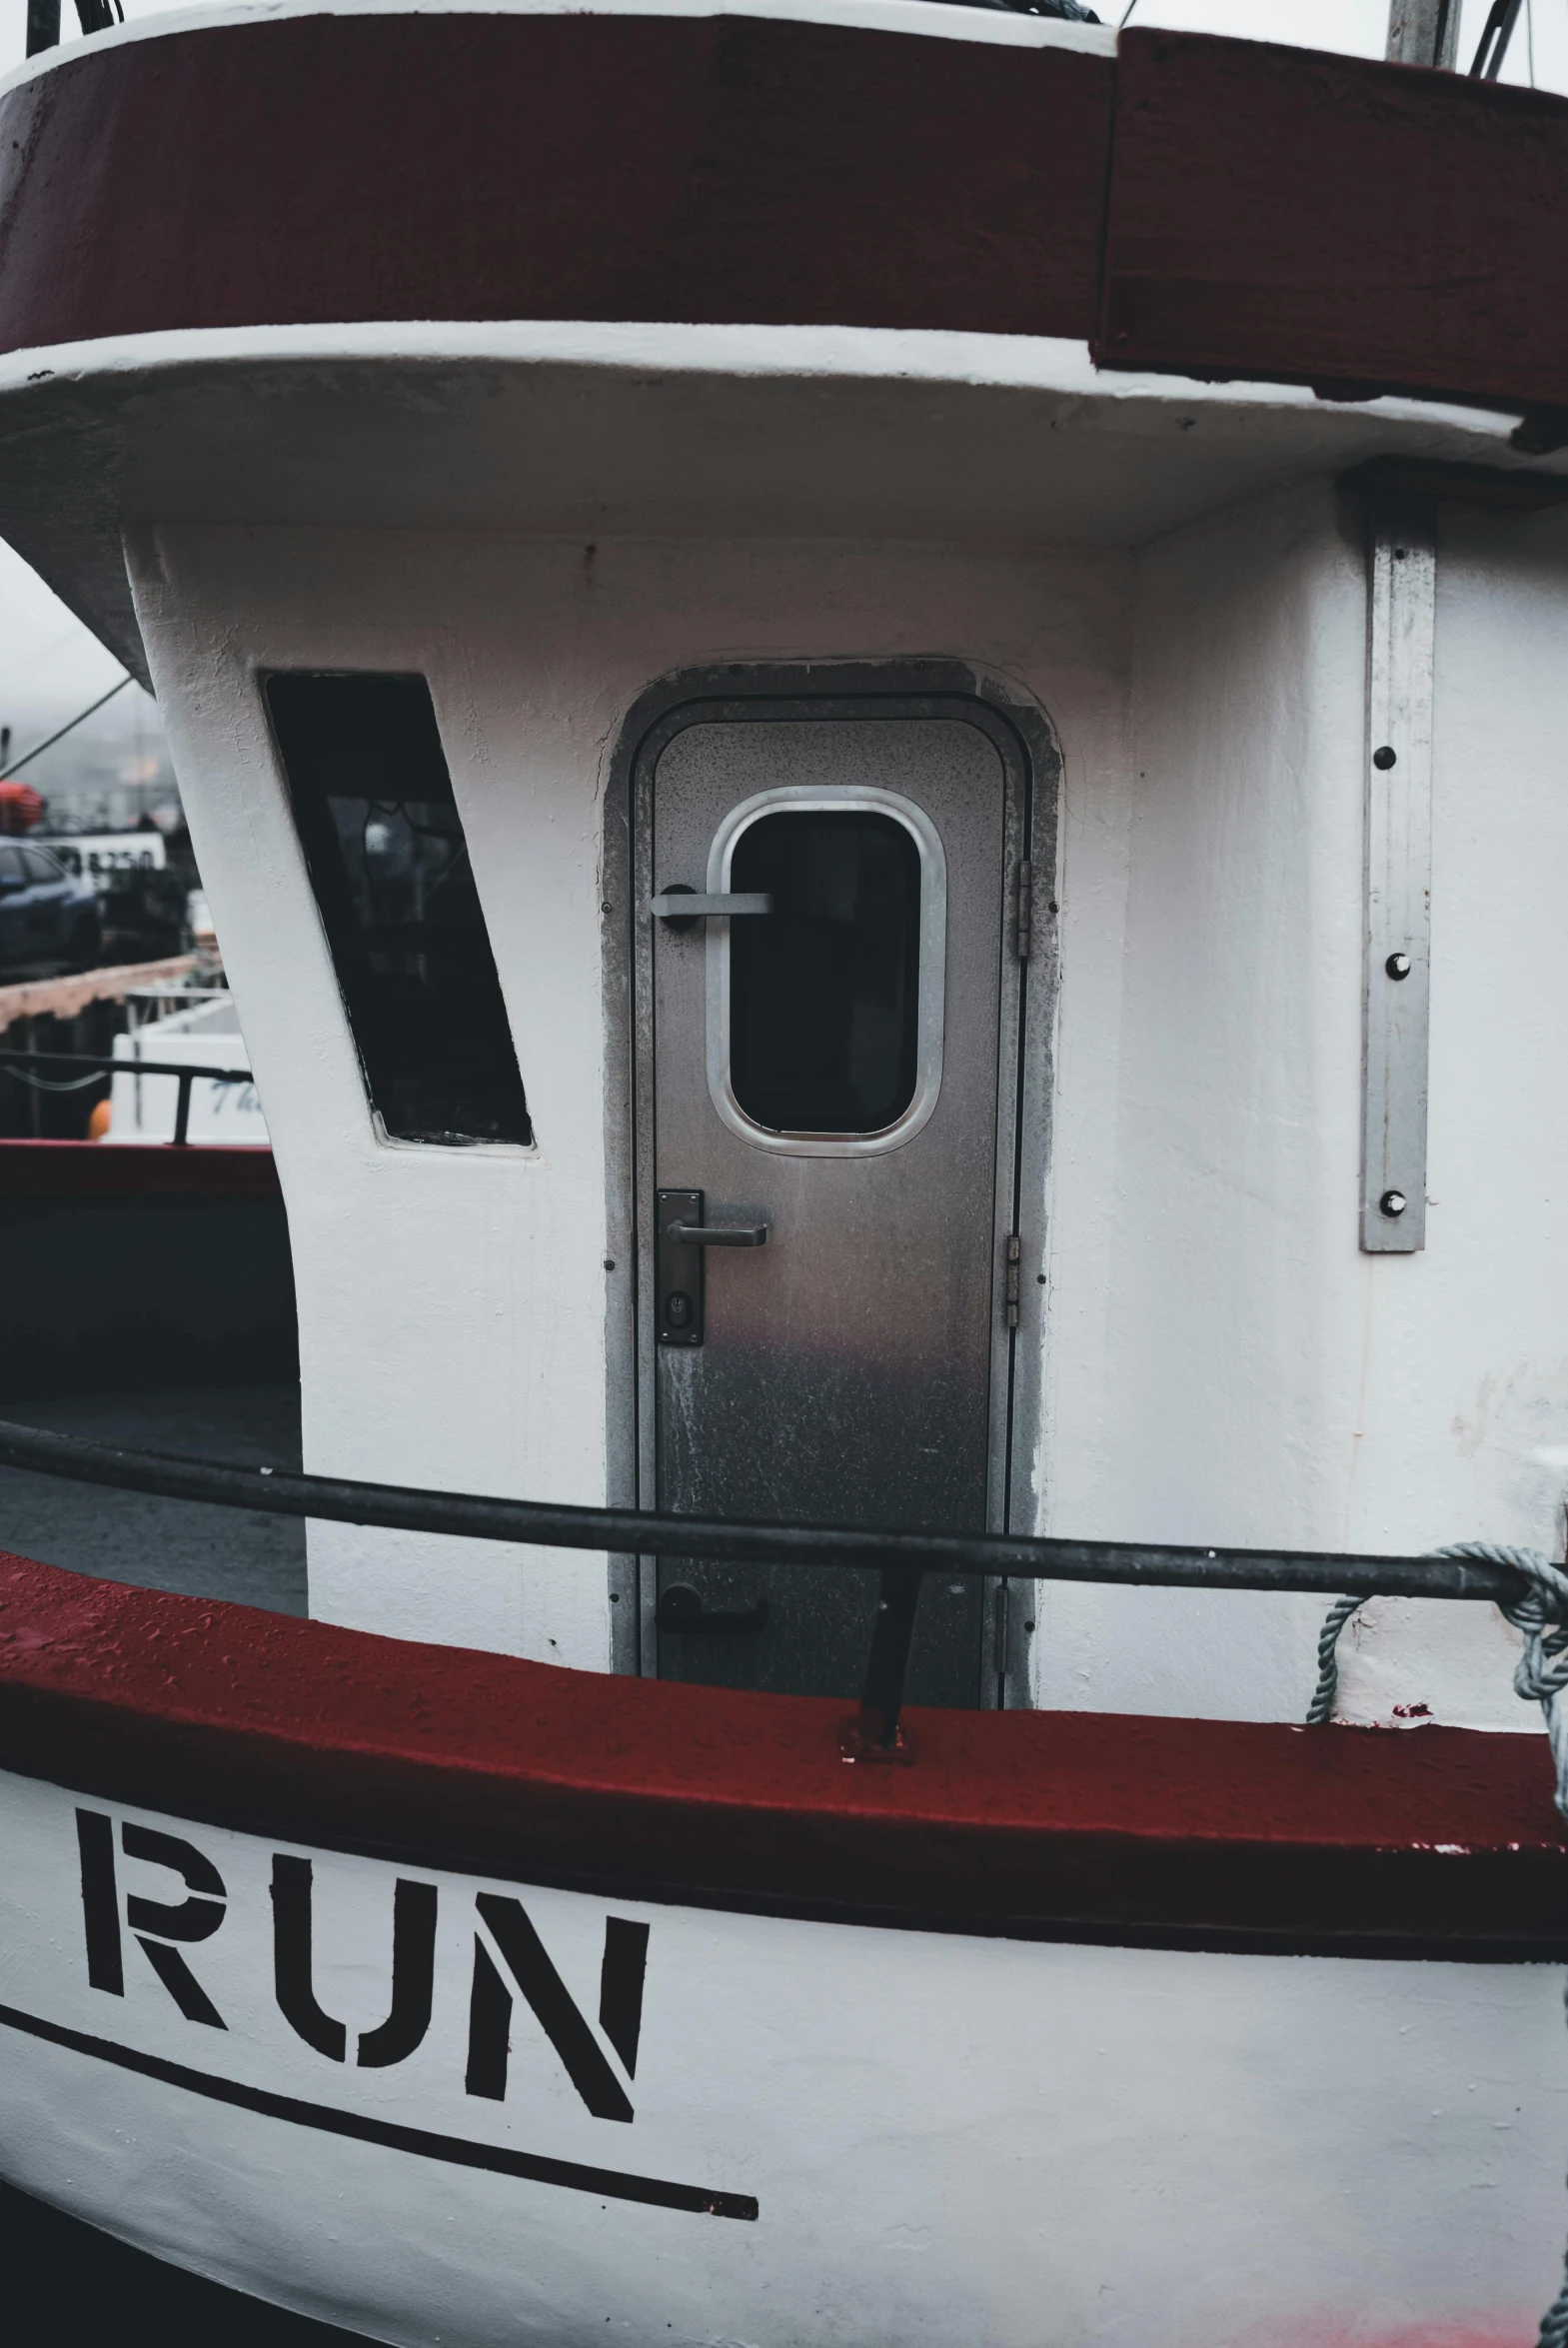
[[48, 920]]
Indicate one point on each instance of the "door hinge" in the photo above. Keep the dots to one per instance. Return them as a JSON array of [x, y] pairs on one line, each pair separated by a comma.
[[1026, 908], [1015, 1255]]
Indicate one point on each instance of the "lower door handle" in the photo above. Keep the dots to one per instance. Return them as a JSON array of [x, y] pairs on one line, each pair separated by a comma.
[[681, 1609]]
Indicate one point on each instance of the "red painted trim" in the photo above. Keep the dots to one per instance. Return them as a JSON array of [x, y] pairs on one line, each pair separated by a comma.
[[104, 1169], [1073, 1823], [330, 168], [1263, 212], [1288, 216]]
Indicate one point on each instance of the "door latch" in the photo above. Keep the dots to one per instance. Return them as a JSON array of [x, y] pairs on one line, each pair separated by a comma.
[[681, 1240], [681, 1608]]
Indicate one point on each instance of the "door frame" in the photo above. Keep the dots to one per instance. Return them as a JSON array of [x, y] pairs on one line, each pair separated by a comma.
[[1027, 744]]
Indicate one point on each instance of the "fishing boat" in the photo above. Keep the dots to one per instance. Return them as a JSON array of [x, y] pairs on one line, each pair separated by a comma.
[[870, 694]]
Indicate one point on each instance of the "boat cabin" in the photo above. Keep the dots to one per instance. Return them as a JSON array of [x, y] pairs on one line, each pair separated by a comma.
[[869, 696]]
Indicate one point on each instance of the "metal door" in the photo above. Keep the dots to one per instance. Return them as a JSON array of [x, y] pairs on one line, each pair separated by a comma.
[[830, 1044]]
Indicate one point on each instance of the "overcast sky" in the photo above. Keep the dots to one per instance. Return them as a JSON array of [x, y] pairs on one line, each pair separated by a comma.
[[49, 662]]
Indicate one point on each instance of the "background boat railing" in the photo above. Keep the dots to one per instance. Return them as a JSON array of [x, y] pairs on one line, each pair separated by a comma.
[[101, 1063], [900, 1559]]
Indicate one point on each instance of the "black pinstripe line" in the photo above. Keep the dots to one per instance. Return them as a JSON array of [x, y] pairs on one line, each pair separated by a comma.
[[611, 2184]]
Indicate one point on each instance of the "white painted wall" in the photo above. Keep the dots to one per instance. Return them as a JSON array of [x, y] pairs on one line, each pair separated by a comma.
[[1464, 1424], [452, 1303], [1228, 1366], [1206, 1112], [1223, 1363]]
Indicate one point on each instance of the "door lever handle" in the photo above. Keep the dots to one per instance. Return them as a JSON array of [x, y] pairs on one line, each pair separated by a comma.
[[682, 1236], [681, 1609], [690, 905], [720, 1234]]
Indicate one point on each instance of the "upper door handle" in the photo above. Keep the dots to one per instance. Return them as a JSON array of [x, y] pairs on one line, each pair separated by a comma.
[[718, 1234], [689, 904]]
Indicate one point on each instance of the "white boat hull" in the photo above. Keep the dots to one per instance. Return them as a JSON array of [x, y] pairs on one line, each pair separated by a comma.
[[945, 2138]]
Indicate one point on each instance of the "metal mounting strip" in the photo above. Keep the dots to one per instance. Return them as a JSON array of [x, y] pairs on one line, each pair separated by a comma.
[[1402, 630]]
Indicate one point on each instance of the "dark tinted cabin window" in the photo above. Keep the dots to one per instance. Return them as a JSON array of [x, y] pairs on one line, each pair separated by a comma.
[[823, 991], [389, 867]]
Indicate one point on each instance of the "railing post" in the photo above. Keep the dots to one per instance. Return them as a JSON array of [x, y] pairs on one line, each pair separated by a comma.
[[874, 1733], [182, 1111]]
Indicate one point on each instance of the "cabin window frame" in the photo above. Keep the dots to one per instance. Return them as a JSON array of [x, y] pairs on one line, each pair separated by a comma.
[[320, 819]]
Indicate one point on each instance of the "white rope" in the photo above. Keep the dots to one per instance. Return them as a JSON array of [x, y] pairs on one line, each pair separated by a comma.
[[1540, 1676]]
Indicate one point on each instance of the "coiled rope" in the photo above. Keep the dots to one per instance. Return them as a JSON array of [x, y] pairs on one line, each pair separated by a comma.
[[1541, 1612]]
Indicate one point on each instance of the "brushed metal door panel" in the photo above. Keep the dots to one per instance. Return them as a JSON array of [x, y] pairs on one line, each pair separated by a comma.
[[844, 1371]]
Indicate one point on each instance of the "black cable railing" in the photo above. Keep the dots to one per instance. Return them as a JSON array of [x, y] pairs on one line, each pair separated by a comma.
[[901, 1559], [102, 1064]]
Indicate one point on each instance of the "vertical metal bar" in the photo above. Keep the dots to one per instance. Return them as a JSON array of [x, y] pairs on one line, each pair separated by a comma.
[[1423, 32], [1020, 1074], [182, 1111], [43, 25], [874, 1735], [644, 1168], [1401, 603]]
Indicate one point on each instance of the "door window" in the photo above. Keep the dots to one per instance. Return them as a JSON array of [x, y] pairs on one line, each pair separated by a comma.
[[389, 863], [824, 992], [825, 1013]]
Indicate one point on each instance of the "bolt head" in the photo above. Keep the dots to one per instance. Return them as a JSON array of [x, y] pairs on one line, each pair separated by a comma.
[[1384, 759], [1392, 1204], [1398, 965]]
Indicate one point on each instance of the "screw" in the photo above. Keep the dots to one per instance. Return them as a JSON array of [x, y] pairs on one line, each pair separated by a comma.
[[1384, 759], [1392, 1204], [1398, 965], [610, 1263]]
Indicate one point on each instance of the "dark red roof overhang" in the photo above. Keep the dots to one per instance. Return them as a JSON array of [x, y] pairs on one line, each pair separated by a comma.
[[1203, 206]]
